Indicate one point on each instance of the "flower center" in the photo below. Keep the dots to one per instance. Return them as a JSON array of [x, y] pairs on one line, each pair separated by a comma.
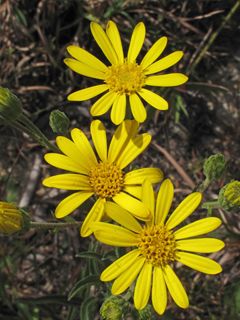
[[126, 78], [157, 244], [106, 179]]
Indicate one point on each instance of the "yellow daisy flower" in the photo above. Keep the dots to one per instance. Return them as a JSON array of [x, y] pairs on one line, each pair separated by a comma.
[[102, 173], [11, 218], [157, 246], [125, 79]]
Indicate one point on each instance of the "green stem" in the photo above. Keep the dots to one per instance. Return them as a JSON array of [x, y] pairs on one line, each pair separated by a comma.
[[211, 205], [52, 225], [19, 126], [204, 185], [30, 128], [213, 37]]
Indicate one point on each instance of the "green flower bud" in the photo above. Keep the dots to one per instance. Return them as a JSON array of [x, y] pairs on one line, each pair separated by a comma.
[[229, 195], [146, 313], [11, 218], [59, 122], [112, 308], [214, 166], [10, 105]]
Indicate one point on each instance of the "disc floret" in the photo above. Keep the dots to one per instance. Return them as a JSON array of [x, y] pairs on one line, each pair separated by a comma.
[[157, 244], [106, 179], [126, 78]]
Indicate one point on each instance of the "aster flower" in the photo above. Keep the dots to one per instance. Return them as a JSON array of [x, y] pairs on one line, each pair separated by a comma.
[[101, 173], [124, 79], [11, 218], [157, 246]]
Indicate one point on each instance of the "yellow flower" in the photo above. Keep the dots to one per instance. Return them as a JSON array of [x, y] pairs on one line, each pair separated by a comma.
[[124, 78], [102, 175], [11, 219], [157, 246]]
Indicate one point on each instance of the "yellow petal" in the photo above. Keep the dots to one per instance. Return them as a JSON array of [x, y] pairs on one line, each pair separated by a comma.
[[166, 80], [204, 245], [175, 287], [124, 133], [148, 199], [88, 93], [99, 137], [103, 104], [154, 175], [138, 110], [184, 209], [159, 291], [153, 99], [68, 181], [114, 36], [154, 52], [143, 287], [63, 162], [197, 228], [127, 277], [72, 202], [94, 215], [103, 42], [164, 63], [164, 201], [199, 263], [86, 57], [120, 265], [67, 147], [118, 109], [114, 235], [122, 216], [134, 147], [135, 191], [134, 206], [136, 42], [84, 146], [84, 69], [70, 149]]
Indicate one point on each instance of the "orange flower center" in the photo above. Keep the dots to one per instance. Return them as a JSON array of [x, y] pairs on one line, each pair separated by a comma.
[[106, 179], [126, 78], [157, 245]]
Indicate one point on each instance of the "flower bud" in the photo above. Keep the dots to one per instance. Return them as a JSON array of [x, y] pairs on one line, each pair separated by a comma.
[[214, 166], [10, 105], [59, 122], [229, 195], [112, 308], [11, 218], [146, 313]]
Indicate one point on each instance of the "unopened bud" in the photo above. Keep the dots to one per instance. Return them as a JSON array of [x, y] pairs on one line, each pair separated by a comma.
[[112, 308], [59, 122], [229, 195], [214, 166], [146, 313], [11, 218], [10, 105]]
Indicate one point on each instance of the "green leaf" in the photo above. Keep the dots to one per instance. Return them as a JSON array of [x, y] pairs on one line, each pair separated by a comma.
[[237, 300], [88, 308], [21, 17], [89, 255], [88, 280], [73, 313]]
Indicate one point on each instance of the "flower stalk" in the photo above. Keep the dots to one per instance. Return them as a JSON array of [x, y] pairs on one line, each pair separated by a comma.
[[32, 130], [11, 112], [53, 225]]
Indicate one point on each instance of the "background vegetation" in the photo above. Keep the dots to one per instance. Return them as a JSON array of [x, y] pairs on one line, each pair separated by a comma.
[[54, 274]]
